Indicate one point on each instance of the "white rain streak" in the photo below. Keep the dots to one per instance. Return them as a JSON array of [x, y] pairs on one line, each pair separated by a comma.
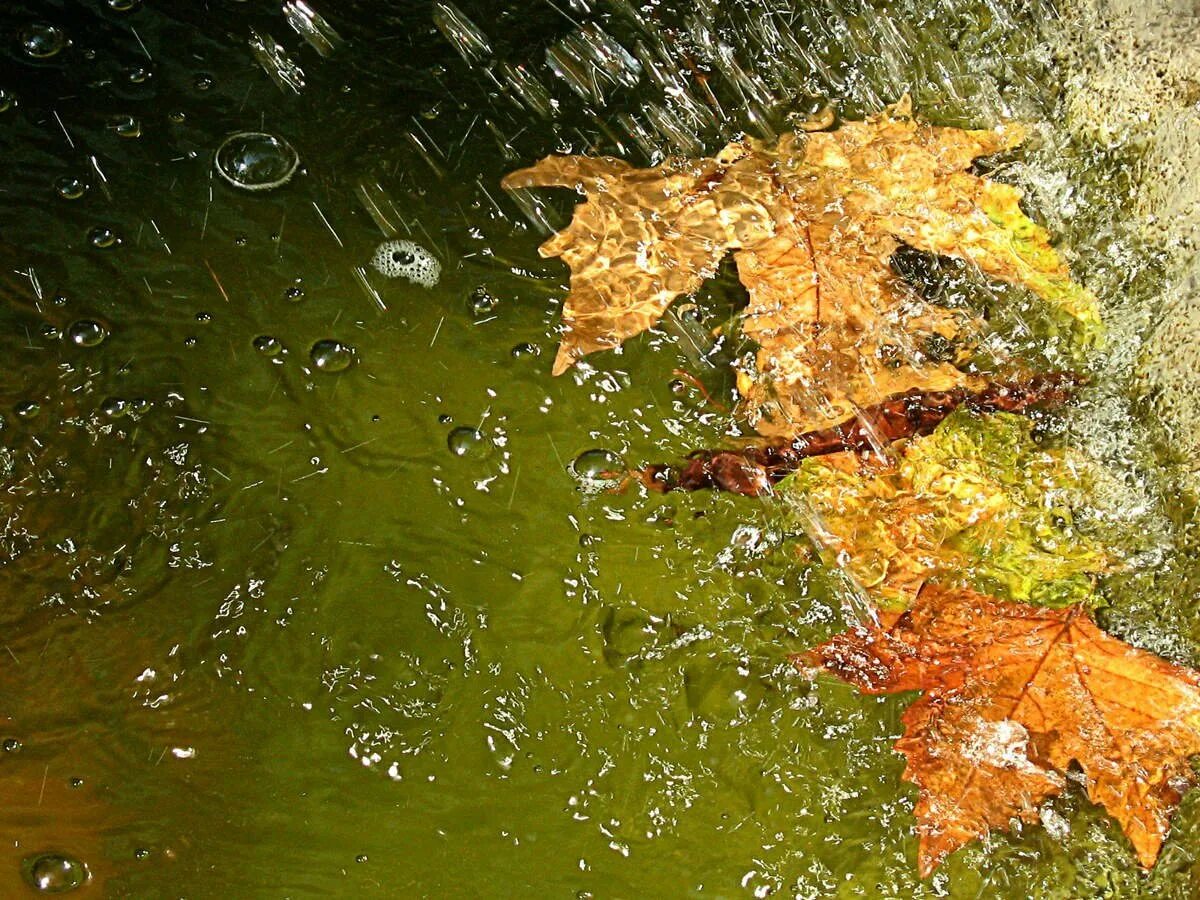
[[467, 37], [311, 26], [281, 68]]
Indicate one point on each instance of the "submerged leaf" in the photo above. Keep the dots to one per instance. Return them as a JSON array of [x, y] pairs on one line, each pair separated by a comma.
[[813, 221], [975, 503], [1014, 696]]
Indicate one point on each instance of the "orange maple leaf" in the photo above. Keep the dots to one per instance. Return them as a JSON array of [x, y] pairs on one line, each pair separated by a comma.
[[1013, 696]]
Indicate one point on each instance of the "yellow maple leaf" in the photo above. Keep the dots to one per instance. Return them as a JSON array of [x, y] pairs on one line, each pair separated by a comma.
[[813, 222]]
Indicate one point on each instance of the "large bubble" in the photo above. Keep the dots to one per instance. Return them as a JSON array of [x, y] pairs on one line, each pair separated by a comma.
[[256, 161], [404, 259]]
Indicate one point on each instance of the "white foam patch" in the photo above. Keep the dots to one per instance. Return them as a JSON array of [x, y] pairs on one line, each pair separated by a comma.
[[404, 259]]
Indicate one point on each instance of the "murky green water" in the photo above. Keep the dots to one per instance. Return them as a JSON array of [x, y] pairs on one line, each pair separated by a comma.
[[273, 631]]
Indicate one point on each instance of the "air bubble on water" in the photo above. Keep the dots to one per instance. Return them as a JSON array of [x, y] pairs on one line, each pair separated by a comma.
[[468, 441], [267, 345], [332, 356], [295, 293], [86, 333], [256, 161], [113, 407], [54, 873], [139, 75], [126, 126], [404, 259], [203, 82], [526, 349], [70, 188], [42, 40], [124, 5], [102, 237], [598, 469], [7, 100], [11, 745], [27, 409], [482, 302]]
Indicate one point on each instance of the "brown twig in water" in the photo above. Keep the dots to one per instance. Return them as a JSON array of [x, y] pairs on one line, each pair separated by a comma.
[[756, 470], [699, 385]]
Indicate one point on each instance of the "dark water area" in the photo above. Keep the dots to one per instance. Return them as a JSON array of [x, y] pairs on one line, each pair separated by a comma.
[[303, 592]]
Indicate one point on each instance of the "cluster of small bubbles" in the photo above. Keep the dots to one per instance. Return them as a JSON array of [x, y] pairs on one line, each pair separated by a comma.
[[294, 293], [404, 259], [42, 40], [482, 302], [113, 407], [125, 125], [203, 82], [595, 470], [526, 349], [331, 356], [86, 333], [54, 873], [7, 100], [267, 345], [70, 188], [27, 409], [256, 161], [102, 237], [11, 745], [468, 441]]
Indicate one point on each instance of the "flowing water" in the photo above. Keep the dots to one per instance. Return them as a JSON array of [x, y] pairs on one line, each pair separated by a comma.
[[309, 585]]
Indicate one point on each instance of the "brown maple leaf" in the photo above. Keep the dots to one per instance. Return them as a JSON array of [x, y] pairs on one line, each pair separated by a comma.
[[813, 221], [1014, 695]]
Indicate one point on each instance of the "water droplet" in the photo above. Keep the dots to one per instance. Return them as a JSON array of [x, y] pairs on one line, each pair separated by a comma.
[[177, 117], [295, 293], [203, 82], [11, 745], [27, 409], [141, 853], [102, 237], [50, 332], [256, 161], [54, 873], [7, 100], [86, 333], [597, 466], [126, 126], [267, 345], [42, 40], [113, 407], [203, 316], [189, 341], [526, 349], [468, 441], [70, 188], [361, 858], [138, 75], [124, 5], [482, 302], [76, 782], [332, 356]]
